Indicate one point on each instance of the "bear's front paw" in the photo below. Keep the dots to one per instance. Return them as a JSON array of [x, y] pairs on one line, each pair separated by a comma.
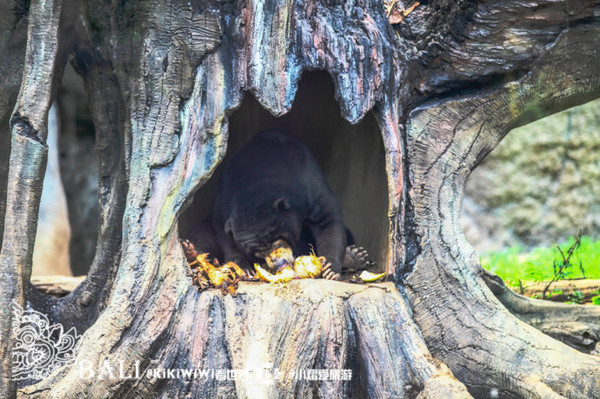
[[250, 274], [357, 259], [328, 273], [189, 250]]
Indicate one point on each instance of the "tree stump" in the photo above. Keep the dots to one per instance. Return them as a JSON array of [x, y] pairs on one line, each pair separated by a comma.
[[445, 83]]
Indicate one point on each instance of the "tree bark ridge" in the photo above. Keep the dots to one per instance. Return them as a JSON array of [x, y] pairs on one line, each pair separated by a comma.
[[576, 325], [24, 184]]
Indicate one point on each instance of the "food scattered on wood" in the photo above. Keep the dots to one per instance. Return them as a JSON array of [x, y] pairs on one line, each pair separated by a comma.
[[306, 266], [206, 274], [366, 277], [311, 266], [280, 267], [395, 13]]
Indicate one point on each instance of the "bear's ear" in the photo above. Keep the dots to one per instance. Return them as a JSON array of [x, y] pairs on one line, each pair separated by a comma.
[[229, 226], [281, 204]]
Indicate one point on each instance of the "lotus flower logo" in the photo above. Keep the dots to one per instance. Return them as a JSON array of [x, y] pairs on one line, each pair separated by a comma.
[[40, 348]]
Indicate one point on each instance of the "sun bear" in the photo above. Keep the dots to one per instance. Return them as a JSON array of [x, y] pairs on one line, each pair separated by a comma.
[[271, 191]]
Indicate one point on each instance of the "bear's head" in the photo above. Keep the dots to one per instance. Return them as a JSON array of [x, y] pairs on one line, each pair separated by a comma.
[[256, 226]]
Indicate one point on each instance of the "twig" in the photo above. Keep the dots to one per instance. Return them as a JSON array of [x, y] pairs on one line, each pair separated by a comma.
[[565, 263]]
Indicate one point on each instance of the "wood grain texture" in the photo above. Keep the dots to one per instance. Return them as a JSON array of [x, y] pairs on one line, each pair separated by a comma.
[[13, 39], [301, 326], [28, 162], [447, 139], [163, 77]]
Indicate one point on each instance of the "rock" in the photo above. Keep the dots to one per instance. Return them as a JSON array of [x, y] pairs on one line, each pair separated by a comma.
[[540, 185]]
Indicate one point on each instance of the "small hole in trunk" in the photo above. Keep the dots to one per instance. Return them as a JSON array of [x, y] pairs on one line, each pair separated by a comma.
[[68, 217]]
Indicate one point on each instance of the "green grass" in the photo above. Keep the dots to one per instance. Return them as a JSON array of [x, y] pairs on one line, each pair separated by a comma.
[[515, 263]]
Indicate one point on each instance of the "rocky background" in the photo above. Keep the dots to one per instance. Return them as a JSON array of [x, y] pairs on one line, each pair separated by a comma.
[[540, 185]]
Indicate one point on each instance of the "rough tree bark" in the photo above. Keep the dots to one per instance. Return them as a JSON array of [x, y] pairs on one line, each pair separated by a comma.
[[162, 78]]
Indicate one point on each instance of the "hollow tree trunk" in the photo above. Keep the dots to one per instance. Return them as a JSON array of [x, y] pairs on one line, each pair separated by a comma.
[[162, 78]]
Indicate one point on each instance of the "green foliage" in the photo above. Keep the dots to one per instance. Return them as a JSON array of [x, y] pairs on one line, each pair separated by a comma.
[[576, 297], [563, 268], [515, 263], [596, 300]]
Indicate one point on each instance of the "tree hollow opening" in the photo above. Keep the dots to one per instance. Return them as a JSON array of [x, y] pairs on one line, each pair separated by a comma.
[[68, 216], [352, 159]]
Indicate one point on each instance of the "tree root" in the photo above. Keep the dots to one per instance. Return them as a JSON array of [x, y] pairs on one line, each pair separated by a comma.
[[576, 325]]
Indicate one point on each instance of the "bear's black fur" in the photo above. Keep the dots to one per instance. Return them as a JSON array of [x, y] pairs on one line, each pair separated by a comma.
[[274, 189]]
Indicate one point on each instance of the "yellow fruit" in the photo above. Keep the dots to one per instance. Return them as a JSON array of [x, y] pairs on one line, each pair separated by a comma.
[[283, 276], [369, 277], [217, 277], [234, 268], [308, 266], [280, 256]]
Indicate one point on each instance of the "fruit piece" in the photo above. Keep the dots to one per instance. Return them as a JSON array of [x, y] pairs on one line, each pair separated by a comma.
[[369, 277], [308, 266], [206, 274], [202, 261], [234, 269], [217, 277], [279, 256], [283, 276]]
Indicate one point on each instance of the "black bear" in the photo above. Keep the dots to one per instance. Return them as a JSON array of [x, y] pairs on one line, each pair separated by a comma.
[[272, 191]]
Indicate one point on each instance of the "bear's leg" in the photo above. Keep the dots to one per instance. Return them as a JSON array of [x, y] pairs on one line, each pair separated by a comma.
[[330, 239]]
